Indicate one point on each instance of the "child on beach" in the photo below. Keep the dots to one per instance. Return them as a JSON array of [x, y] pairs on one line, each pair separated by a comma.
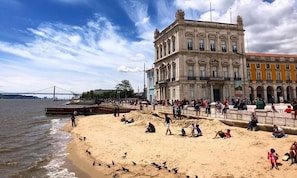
[[273, 156]]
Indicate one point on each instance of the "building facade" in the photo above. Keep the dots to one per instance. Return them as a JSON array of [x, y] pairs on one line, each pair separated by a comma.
[[272, 77], [197, 59]]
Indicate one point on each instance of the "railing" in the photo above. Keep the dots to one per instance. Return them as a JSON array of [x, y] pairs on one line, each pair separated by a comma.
[[279, 118]]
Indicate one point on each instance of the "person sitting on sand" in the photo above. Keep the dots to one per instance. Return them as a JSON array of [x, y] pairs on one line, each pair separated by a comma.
[[293, 153], [223, 134], [253, 122], [278, 132], [183, 132], [199, 132], [151, 128], [288, 109], [273, 156], [129, 121], [123, 119]]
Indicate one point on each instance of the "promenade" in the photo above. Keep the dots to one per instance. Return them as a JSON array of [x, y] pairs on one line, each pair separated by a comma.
[[265, 117]]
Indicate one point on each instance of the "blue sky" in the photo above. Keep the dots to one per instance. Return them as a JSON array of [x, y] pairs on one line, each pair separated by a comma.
[[82, 45]]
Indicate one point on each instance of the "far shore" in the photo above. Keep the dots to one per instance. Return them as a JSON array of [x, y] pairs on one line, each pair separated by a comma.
[[108, 139]]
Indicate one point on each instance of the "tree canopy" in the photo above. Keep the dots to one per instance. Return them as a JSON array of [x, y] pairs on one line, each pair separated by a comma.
[[124, 86]]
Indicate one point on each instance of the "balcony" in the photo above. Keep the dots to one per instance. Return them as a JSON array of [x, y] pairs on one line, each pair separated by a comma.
[[279, 81], [204, 78], [269, 81], [191, 78], [173, 79], [227, 78], [162, 81], [288, 81], [237, 78], [216, 78], [259, 81]]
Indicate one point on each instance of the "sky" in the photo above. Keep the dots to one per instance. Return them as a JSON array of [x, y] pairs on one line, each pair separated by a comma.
[[84, 45]]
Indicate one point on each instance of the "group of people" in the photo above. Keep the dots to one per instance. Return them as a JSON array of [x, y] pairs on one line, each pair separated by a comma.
[[126, 121]]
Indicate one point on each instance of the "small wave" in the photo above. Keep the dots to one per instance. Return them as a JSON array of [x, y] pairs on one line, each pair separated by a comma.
[[5, 150], [55, 169], [8, 163]]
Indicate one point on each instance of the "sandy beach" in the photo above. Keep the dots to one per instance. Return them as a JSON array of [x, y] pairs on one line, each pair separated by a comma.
[[125, 150]]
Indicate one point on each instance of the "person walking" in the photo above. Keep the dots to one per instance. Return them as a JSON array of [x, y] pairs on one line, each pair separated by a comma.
[[73, 118], [168, 122]]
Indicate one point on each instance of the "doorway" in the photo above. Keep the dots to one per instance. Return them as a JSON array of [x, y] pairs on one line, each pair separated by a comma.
[[216, 95]]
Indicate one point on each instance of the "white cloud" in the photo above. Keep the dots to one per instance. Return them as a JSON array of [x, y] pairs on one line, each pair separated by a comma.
[[95, 55]]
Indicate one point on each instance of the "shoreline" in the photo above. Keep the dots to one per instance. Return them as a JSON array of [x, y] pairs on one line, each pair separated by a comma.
[[108, 139], [76, 161]]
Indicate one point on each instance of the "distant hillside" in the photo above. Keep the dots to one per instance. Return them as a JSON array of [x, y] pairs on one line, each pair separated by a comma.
[[17, 97]]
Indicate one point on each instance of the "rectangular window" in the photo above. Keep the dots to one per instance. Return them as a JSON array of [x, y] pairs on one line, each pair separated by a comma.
[[212, 45], [191, 71], [214, 71], [174, 71], [165, 49], [169, 47], [201, 45], [236, 72], [169, 72], [288, 76], [225, 72], [276, 66], [157, 53], [295, 66], [267, 66], [278, 76], [257, 66], [190, 44], [173, 93], [248, 65], [234, 46], [258, 75], [288, 66], [192, 91], [223, 46], [249, 75], [202, 71], [161, 52], [268, 75], [173, 44]]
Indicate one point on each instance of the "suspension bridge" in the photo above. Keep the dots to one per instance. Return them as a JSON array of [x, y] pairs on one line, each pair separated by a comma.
[[51, 91]]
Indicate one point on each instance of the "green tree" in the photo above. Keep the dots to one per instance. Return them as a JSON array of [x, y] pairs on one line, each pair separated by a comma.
[[125, 89]]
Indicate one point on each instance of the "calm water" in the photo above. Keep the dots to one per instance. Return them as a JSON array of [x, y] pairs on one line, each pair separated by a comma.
[[31, 144]]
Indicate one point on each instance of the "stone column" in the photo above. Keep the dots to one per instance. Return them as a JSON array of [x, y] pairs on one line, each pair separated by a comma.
[[265, 94], [211, 93]]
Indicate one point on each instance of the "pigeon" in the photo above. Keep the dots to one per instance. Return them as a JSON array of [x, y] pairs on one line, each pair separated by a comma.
[[133, 163], [108, 166], [112, 162], [175, 170], [94, 163]]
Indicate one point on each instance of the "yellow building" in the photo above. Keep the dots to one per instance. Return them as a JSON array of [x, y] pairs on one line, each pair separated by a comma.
[[272, 77]]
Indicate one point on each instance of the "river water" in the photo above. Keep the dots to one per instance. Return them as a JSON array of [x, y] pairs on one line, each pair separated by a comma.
[[31, 143]]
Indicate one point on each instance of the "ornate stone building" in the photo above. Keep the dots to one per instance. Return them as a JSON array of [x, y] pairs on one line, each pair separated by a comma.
[[198, 59]]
